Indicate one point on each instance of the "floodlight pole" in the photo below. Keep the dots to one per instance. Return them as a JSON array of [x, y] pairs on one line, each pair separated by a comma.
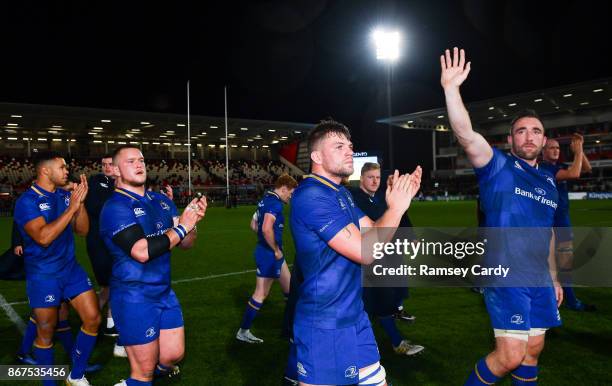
[[226, 149], [188, 141], [389, 126]]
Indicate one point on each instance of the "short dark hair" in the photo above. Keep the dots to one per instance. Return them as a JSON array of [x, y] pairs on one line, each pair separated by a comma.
[[526, 113], [107, 155], [325, 128], [45, 156], [120, 148], [369, 166]]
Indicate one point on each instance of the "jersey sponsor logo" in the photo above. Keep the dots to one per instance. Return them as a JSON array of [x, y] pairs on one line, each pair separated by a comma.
[[301, 370], [44, 206], [139, 212], [150, 332], [518, 166], [159, 225], [536, 197], [517, 319], [540, 191], [351, 372], [164, 206], [49, 298]]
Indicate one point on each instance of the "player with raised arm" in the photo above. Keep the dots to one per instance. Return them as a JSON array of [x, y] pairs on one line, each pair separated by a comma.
[[508, 183], [140, 229], [269, 257], [332, 333], [563, 226]]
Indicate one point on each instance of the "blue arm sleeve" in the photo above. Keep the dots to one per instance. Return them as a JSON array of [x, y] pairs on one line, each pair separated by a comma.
[[325, 216], [115, 217], [26, 210], [497, 162]]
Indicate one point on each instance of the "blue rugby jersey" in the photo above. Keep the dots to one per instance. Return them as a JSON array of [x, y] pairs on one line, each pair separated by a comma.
[[330, 296], [271, 203], [131, 280], [56, 259], [563, 208], [514, 194]]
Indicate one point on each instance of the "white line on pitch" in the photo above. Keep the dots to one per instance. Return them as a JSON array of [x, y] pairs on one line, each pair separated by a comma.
[[173, 282], [12, 315]]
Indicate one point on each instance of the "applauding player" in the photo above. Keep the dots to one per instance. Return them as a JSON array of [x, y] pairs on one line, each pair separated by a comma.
[[140, 229], [46, 216]]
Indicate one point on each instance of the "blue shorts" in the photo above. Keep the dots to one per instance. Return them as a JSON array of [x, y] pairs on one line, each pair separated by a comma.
[[267, 265], [522, 308], [50, 291], [334, 357], [139, 323]]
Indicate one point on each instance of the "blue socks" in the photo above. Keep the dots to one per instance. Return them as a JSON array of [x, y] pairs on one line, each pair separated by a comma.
[[64, 334], [28, 337], [481, 375], [133, 382], [250, 313], [44, 356], [525, 376], [85, 342], [388, 324], [570, 297]]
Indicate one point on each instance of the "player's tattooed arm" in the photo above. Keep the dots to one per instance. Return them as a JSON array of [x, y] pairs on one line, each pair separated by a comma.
[[347, 242], [552, 266], [347, 233]]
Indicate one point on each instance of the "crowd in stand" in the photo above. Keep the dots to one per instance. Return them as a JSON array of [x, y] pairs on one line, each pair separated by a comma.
[[248, 179], [19, 172]]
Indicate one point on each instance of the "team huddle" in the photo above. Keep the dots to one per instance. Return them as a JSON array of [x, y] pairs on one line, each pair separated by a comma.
[[131, 232]]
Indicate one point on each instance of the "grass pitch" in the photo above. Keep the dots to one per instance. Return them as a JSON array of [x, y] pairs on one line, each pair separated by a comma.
[[451, 322]]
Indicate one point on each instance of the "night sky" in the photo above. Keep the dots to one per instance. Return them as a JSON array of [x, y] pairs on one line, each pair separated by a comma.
[[292, 60]]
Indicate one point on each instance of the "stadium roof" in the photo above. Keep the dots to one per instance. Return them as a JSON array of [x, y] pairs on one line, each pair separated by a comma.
[[64, 123], [591, 100]]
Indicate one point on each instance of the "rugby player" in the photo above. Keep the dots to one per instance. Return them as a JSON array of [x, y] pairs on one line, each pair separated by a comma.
[[520, 316], [140, 229], [333, 337], [46, 216], [383, 302], [563, 231], [268, 253], [101, 187]]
